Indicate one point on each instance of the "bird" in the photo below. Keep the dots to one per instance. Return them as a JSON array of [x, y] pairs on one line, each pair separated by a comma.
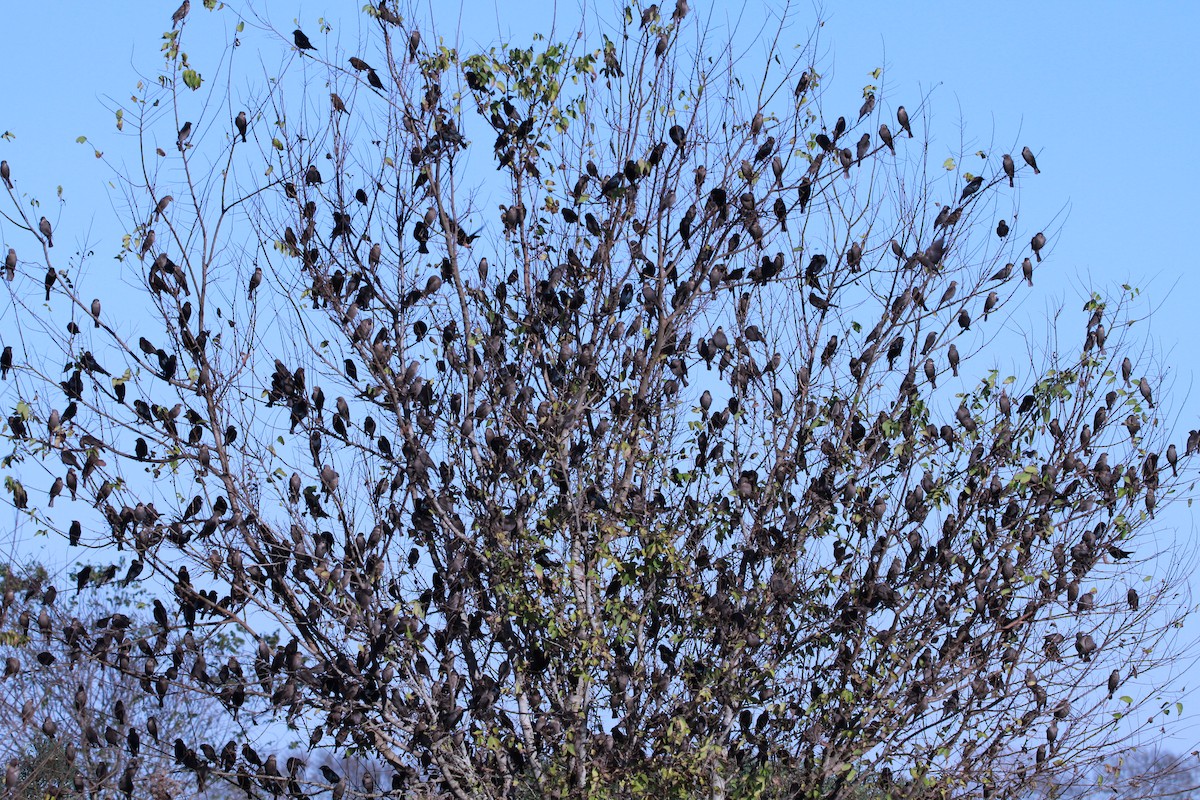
[[864, 146], [6, 359], [181, 13], [147, 243], [312, 175], [44, 228], [765, 149], [971, 188], [953, 358], [6, 174], [302, 42], [948, 295], [338, 105], [990, 303], [51, 277], [96, 311], [1009, 168], [1027, 154], [1114, 680], [885, 136], [1002, 228], [1085, 645], [255, 280], [162, 204], [1037, 243], [241, 124], [10, 264], [1132, 598], [902, 118], [847, 160], [1027, 271], [359, 64], [1144, 390], [868, 105], [184, 134]]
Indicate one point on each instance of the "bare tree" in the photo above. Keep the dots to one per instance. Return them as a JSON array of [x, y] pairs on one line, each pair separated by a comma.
[[685, 473]]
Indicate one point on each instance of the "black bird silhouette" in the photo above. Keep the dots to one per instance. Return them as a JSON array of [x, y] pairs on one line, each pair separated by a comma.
[[302, 42]]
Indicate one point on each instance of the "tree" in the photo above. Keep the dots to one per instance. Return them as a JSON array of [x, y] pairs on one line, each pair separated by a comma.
[[66, 717], [685, 473]]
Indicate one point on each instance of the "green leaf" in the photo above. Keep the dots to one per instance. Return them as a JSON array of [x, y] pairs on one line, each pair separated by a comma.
[[191, 79], [24, 410], [80, 139], [1126, 699], [278, 145], [949, 164]]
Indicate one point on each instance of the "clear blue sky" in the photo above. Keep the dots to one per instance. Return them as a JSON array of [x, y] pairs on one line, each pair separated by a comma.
[[1103, 92]]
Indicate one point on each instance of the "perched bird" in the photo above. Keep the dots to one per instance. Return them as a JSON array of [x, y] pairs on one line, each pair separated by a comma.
[[302, 42], [10, 264], [185, 133], [990, 303], [902, 118], [1114, 680], [1085, 645], [359, 64], [181, 13], [1027, 271], [1037, 243], [51, 277], [255, 280], [6, 359], [312, 175], [885, 136], [241, 124], [868, 105], [338, 105], [44, 228], [847, 160], [948, 295], [1132, 598], [1144, 391], [1009, 168], [1002, 228], [96, 311], [1027, 154], [161, 207], [6, 174], [864, 146], [147, 243], [765, 149], [971, 188]]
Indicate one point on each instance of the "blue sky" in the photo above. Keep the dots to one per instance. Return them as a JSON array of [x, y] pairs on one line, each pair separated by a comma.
[[1103, 92]]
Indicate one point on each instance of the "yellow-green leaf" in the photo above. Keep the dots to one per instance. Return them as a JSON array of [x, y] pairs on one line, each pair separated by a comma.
[[191, 79], [949, 163]]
